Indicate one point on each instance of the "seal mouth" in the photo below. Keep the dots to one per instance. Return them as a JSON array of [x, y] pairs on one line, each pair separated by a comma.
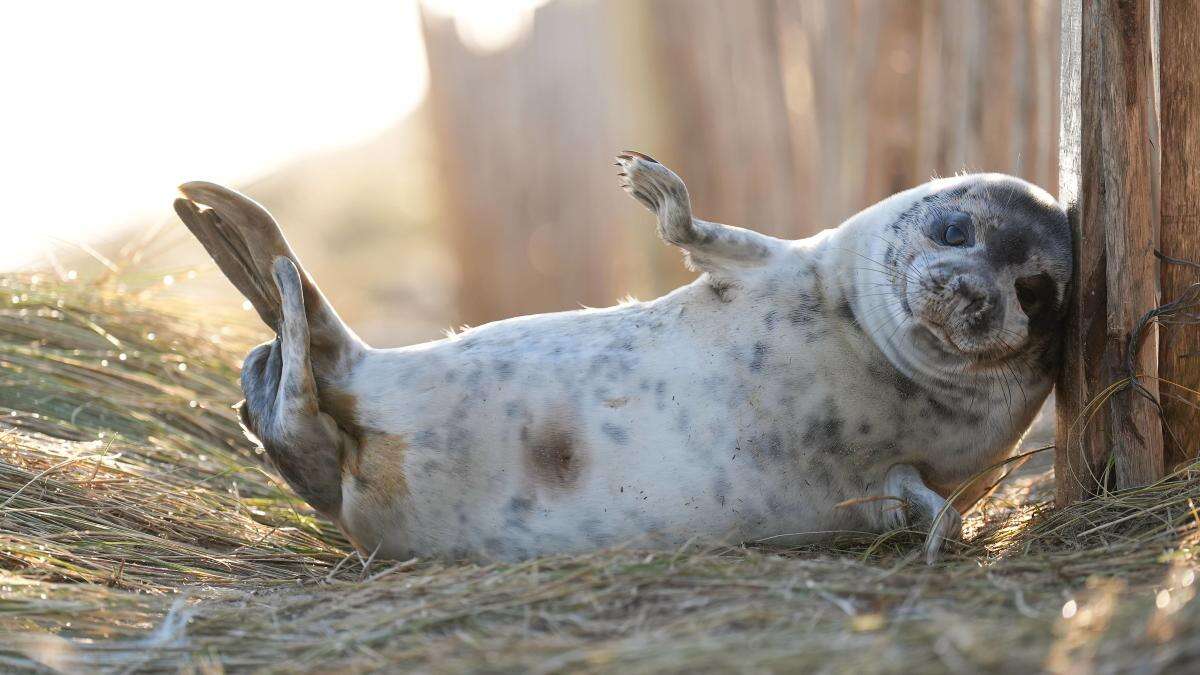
[[991, 356]]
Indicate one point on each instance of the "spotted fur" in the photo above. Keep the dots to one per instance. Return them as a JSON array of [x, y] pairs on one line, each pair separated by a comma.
[[774, 398]]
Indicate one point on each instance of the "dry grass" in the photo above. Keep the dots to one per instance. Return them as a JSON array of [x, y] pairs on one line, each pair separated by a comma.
[[138, 532]]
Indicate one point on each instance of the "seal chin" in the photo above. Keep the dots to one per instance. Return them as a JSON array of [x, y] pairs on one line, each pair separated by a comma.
[[957, 339]]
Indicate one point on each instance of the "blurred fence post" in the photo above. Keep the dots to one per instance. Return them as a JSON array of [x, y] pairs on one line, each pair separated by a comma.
[[1179, 347], [783, 115], [1110, 181], [523, 139]]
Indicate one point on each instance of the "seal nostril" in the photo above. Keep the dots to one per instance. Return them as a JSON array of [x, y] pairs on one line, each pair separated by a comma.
[[975, 301], [1035, 293]]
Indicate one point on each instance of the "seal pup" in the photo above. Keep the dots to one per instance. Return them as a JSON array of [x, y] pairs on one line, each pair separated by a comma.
[[777, 397]]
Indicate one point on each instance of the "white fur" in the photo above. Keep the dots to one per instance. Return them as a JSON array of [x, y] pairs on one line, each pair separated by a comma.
[[704, 413]]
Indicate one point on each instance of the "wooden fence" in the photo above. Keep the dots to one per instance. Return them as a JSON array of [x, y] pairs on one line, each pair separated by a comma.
[[1127, 398], [786, 116]]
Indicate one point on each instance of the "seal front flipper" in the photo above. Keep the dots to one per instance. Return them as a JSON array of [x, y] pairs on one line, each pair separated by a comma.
[[920, 505], [711, 247]]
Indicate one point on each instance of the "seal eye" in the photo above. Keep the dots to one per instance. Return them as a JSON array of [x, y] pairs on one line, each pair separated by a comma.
[[954, 230], [954, 236]]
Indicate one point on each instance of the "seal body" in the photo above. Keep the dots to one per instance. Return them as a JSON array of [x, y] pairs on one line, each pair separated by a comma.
[[796, 389]]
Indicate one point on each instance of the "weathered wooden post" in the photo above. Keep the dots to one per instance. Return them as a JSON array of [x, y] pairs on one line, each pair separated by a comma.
[[1109, 177], [1179, 349]]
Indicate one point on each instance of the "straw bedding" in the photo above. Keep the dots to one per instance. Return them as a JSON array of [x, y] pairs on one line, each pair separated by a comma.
[[139, 531]]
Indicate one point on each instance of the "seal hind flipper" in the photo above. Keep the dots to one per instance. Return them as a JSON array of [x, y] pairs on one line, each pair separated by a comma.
[[231, 257], [282, 411], [244, 240], [284, 380]]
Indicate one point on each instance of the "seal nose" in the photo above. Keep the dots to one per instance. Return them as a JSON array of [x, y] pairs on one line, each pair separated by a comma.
[[966, 289], [976, 298], [981, 302]]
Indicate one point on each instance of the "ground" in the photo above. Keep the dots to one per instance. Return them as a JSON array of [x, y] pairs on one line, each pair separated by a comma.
[[139, 531]]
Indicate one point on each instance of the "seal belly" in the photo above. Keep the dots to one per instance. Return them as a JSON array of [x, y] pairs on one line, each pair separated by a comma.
[[513, 451]]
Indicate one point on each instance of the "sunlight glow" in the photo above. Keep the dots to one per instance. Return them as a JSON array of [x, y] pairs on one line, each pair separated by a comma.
[[110, 105], [487, 25]]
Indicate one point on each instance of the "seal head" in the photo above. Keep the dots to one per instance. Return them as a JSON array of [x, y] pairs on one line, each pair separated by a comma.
[[981, 264]]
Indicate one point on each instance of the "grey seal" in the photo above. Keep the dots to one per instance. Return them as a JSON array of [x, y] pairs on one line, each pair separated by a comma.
[[848, 381]]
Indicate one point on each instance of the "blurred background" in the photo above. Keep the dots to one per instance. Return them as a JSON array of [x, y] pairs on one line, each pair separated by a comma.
[[450, 162]]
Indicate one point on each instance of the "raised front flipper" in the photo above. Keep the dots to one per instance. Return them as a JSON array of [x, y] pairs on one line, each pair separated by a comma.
[[711, 247]]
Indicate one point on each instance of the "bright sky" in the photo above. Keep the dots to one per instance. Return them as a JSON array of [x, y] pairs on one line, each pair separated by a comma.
[[107, 106]]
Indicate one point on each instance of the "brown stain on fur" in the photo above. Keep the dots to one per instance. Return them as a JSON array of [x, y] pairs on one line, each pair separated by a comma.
[[377, 463], [343, 408], [378, 470], [553, 456]]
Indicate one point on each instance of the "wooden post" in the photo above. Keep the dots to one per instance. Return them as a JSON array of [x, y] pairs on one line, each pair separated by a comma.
[[1109, 179], [1179, 349]]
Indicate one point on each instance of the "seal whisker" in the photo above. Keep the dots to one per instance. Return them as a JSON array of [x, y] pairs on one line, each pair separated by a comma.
[[883, 266]]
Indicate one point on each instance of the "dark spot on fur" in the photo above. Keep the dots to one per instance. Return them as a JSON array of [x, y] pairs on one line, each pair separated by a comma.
[[759, 358], [504, 370], [769, 319], [517, 514], [430, 467], [823, 430], [864, 428], [683, 420], [458, 440], [720, 490], [775, 445], [494, 547], [593, 530], [809, 306], [616, 434], [1036, 295], [815, 334], [520, 506], [553, 456], [887, 373], [819, 469], [474, 377]]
